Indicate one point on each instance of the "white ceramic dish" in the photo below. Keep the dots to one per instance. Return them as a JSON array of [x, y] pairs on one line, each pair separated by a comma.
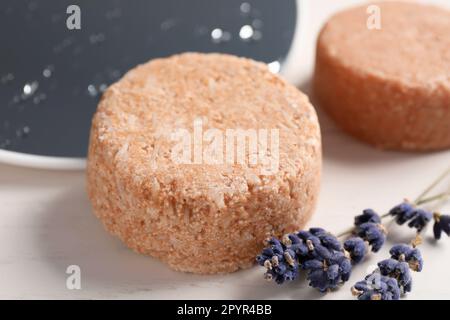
[[290, 69]]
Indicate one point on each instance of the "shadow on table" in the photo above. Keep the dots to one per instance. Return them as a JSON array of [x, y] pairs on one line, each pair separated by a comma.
[[68, 233]]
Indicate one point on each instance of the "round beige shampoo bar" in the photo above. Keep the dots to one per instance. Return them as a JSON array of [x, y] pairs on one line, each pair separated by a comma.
[[197, 158], [383, 74]]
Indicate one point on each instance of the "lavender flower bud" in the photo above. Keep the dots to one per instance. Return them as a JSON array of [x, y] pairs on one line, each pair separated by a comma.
[[441, 223], [280, 262], [297, 245], [307, 236], [372, 233], [420, 219], [402, 213], [275, 248], [320, 244], [327, 239], [327, 274], [357, 248], [321, 252], [377, 287], [345, 265], [326, 263], [411, 255], [368, 215], [398, 270]]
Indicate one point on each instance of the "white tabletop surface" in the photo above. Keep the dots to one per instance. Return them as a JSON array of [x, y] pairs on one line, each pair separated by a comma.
[[46, 224]]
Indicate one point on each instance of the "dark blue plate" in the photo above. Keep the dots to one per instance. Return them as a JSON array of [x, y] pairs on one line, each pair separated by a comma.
[[51, 78]]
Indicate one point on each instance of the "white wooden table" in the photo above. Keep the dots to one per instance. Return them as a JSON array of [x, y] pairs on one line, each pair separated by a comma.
[[46, 224]]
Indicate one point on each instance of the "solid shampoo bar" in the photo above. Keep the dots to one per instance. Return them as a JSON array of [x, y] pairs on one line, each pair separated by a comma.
[[388, 84], [196, 214]]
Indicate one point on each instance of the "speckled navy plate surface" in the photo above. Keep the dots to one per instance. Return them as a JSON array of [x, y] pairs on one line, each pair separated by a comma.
[[51, 78]]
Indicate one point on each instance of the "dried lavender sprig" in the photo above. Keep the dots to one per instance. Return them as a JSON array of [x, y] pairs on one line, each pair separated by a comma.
[[326, 270], [424, 217], [373, 233], [440, 196], [369, 231], [420, 200], [327, 262]]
